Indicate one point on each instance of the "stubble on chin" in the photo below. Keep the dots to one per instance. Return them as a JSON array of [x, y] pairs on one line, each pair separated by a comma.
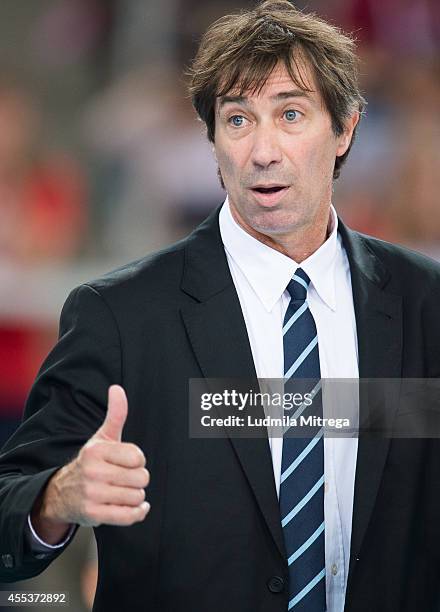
[[259, 224], [276, 222]]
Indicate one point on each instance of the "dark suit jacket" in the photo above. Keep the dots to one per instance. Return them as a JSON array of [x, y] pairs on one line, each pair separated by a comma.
[[213, 540]]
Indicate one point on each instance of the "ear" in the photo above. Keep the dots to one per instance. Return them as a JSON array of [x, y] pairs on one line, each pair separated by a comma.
[[345, 138]]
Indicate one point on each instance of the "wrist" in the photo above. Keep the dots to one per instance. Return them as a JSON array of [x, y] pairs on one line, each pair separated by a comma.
[[48, 527]]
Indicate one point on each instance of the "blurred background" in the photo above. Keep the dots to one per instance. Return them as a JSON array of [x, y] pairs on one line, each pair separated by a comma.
[[102, 160]]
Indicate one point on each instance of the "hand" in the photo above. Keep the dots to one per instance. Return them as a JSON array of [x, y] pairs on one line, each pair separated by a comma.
[[103, 484]]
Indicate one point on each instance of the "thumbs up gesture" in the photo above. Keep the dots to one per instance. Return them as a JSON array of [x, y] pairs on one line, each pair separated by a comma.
[[104, 484], [117, 410]]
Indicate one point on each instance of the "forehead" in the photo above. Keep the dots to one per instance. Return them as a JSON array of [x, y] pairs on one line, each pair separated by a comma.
[[279, 80]]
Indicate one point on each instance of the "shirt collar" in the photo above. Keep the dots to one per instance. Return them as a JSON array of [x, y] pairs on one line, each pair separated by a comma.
[[268, 271]]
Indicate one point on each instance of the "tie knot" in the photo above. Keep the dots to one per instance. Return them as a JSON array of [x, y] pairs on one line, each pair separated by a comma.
[[297, 287]]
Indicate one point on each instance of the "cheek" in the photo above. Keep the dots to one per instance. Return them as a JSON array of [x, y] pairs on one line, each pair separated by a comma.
[[317, 159], [227, 167], [229, 161]]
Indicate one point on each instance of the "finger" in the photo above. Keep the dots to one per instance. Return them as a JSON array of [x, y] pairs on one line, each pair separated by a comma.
[[119, 476], [117, 515], [117, 410], [125, 454], [103, 493]]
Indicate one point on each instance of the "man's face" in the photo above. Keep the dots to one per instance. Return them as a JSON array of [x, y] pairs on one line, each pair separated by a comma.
[[276, 153]]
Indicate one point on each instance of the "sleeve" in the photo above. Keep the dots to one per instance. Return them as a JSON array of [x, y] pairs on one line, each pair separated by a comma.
[[37, 546], [66, 405]]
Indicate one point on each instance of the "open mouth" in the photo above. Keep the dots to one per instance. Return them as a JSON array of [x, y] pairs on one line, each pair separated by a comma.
[[274, 189]]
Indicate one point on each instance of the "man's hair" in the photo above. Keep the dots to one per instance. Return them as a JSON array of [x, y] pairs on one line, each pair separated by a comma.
[[239, 52]]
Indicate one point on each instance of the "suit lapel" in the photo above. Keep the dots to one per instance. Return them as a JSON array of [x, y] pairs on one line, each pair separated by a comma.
[[379, 330], [217, 332], [222, 349]]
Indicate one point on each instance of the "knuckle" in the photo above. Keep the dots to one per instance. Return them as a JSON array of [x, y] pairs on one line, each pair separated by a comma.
[[115, 477], [136, 455], [119, 496], [145, 477], [90, 471], [140, 496]]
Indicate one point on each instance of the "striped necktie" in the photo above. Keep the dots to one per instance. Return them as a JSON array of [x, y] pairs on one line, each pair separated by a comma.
[[302, 466]]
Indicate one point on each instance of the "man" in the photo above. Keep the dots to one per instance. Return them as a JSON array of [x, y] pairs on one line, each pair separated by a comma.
[[272, 268]]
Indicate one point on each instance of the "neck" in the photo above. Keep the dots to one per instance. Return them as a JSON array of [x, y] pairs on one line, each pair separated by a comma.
[[297, 245]]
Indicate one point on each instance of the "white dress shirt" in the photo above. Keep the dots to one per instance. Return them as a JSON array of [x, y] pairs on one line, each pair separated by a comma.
[[261, 275]]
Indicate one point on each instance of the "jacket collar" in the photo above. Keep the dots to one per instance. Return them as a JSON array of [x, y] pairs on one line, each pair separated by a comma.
[[268, 271]]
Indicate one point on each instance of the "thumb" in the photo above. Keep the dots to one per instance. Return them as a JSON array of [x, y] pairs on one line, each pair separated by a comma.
[[117, 410]]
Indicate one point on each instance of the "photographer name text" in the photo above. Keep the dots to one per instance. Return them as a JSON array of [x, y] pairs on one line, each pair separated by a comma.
[[268, 421]]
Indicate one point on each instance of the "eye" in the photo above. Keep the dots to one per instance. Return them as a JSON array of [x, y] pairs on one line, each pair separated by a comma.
[[236, 120], [291, 115]]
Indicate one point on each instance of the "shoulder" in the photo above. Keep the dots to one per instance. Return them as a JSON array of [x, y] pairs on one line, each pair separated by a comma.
[[401, 255], [157, 280], [149, 282], [160, 270], [406, 266]]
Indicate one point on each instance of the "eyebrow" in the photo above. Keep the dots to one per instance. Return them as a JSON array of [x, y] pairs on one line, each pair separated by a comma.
[[282, 95]]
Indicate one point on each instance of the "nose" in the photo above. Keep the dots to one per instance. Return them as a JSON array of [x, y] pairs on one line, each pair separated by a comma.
[[266, 150]]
